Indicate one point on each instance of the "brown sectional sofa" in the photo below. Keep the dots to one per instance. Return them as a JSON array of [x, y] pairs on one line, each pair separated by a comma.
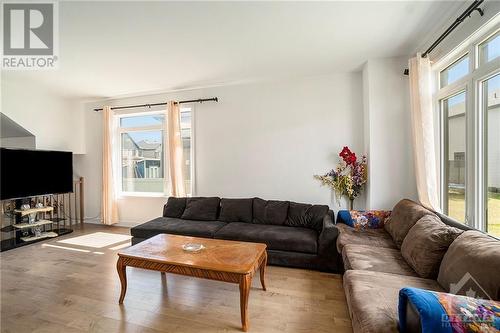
[[376, 268]]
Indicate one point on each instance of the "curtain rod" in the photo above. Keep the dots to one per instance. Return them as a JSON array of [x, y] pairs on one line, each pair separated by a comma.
[[199, 100], [467, 13]]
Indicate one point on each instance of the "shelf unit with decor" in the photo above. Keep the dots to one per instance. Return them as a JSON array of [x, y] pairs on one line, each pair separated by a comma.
[[56, 217]]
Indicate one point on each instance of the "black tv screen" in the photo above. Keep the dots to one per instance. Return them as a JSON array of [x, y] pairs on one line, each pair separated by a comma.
[[28, 173]]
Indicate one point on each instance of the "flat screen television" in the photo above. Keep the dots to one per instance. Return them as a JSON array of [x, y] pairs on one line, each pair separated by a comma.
[[28, 173]]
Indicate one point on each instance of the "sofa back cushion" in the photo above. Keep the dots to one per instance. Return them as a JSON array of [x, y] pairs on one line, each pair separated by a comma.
[[270, 211], [201, 208], [306, 215], [174, 207], [403, 217], [472, 263], [426, 243], [236, 210]]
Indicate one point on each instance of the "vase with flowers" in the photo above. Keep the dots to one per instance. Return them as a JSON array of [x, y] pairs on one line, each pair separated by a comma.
[[348, 178]]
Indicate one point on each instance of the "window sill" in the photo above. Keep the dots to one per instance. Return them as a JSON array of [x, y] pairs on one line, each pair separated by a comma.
[[142, 195]]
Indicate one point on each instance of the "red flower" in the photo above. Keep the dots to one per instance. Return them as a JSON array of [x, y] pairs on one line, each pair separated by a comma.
[[348, 156], [345, 152], [351, 159]]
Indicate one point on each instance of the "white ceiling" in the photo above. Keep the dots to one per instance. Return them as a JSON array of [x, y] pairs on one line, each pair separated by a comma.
[[108, 49]]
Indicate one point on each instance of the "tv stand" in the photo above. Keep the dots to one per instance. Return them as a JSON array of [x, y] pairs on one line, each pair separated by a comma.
[[28, 227]]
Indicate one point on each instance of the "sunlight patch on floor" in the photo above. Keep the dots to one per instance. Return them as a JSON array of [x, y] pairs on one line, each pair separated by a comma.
[[70, 248], [121, 246], [96, 240], [65, 248]]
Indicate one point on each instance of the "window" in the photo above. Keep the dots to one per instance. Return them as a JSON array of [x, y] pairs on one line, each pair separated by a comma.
[[491, 93], [455, 71], [186, 145], [468, 109], [454, 133], [143, 169], [489, 49]]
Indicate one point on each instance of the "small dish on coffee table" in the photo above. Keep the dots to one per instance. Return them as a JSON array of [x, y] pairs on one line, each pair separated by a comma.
[[192, 247]]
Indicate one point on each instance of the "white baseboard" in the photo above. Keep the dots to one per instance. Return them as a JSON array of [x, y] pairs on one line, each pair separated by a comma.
[[126, 224]]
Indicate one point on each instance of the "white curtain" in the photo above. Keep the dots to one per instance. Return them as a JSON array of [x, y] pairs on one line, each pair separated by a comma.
[[423, 132], [174, 152], [109, 204]]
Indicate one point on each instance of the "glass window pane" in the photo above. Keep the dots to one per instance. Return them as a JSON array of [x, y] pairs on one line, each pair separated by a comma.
[[454, 148], [492, 116], [142, 161], [489, 49], [138, 121], [455, 71], [186, 144]]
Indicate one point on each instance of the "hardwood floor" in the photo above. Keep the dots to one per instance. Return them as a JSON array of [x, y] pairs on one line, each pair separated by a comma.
[[70, 284]]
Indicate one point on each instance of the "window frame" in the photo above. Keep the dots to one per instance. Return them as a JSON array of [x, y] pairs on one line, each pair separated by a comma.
[[160, 127], [475, 180]]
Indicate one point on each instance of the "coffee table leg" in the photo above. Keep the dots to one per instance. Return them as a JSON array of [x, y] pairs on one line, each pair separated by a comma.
[[245, 283], [263, 266], [122, 273]]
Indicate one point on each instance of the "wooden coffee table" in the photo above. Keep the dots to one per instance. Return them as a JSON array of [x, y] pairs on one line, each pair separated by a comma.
[[220, 260]]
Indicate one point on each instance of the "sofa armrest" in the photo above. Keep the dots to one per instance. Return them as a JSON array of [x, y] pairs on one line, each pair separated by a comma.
[[164, 214], [328, 237], [422, 310], [413, 324]]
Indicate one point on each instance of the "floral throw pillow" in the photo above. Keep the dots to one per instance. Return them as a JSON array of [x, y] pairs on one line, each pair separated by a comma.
[[369, 219]]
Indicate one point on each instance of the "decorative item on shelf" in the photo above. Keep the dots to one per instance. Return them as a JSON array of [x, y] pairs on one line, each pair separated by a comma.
[[193, 247], [348, 178], [37, 231]]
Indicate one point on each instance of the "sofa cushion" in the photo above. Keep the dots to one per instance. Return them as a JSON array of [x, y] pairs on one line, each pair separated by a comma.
[[306, 215], [236, 210], [269, 211], [169, 225], [404, 216], [377, 259], [201, 208], [371, 237], [174, 207], [372, 298], [274, 236], [472, 262], [426, 243]]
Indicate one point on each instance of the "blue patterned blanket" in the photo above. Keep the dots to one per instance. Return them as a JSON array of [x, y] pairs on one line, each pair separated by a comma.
[[448, 313]]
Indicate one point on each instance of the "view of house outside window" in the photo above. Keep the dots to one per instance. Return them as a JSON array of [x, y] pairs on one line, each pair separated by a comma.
[[143, 165]]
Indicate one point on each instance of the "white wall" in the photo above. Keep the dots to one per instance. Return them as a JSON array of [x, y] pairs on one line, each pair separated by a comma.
[[386, 111], [261, 139], [56, 122]]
